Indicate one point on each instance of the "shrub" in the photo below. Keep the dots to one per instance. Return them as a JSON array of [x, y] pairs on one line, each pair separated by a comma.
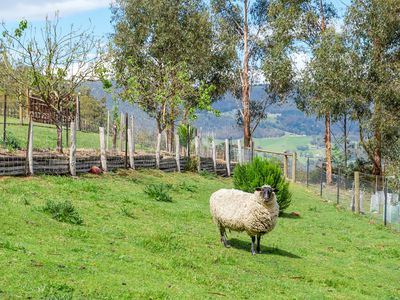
[[247, 177], [191, 165], [63, 212], [158, 192], [12, 142]]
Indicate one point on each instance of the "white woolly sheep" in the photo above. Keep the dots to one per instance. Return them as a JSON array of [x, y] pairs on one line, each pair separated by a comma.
[[240, 211]]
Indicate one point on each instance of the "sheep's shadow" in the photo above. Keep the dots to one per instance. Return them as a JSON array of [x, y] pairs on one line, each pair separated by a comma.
[[246, 246]]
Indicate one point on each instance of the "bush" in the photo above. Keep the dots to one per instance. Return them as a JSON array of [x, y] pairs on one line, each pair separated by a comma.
[[191, 165], [248, 177], [12, 142], [158, 192], [63, 212]]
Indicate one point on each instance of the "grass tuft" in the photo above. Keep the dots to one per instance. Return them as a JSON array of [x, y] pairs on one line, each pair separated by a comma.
[[63, 212], [158, 192]]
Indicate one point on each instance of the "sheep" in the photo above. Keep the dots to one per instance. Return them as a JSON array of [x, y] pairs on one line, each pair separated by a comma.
[[240, 211]]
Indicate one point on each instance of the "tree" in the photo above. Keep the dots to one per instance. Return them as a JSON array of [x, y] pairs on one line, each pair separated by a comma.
[[245, 25], [373, 32], [303, 26], [258, 113], [57, 62], [166, 58]]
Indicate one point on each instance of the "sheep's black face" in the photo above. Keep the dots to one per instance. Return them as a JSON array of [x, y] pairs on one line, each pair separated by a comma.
[[266, 192]]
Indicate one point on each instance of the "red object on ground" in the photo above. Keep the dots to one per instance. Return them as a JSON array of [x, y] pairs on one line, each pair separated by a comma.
[[95, 170]]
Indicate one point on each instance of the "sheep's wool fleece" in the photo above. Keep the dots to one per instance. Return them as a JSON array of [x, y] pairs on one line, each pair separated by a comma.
[[241, 211]]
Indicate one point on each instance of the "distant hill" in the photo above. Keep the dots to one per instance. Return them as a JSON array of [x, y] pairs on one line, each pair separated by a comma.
[[282, 118]]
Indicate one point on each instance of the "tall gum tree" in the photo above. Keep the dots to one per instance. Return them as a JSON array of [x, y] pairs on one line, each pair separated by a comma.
[[372, 28], [245, 23], [301, 26]]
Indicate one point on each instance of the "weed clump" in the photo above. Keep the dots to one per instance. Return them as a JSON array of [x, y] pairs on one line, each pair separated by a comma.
[[158, 192], [63, 212]]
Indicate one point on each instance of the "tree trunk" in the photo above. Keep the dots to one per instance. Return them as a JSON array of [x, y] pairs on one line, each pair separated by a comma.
[[59, 148], [377, 155], [245, 81], [328, 148], [170, 137]]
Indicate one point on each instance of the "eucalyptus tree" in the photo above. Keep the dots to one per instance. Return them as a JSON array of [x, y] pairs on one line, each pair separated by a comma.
[[244, 22], [57, 62], [167, 58], [306, 27], [373, 31]]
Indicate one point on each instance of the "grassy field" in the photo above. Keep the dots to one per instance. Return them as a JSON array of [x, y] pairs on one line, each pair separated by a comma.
[[45, 136], [133, 247]]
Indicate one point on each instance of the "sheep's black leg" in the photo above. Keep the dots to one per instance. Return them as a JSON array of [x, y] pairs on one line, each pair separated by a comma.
[[258, 243], [223, 236], [253, 239]]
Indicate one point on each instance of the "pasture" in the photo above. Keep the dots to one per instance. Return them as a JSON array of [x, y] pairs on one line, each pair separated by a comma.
[[133, 247]]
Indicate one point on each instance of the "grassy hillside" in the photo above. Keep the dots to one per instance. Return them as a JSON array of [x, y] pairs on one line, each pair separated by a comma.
[[133, 247]]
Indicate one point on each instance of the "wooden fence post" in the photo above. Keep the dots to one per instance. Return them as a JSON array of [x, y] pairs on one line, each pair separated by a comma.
[[177, 156], [72, 150], [227, 158], [214, 155], [5, 121], [357, 191], [131, 149], [240, 158], [285, 166], [158, 149], [30, 146], [108, 129], [294, 159], [103, 157], [121, 132], [126, 139], [197, 150]]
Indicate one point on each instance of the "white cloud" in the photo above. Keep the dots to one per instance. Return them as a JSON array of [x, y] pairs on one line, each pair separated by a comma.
[[39, 9]]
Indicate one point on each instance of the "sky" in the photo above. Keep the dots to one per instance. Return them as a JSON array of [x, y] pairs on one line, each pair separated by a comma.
[[81, 13]]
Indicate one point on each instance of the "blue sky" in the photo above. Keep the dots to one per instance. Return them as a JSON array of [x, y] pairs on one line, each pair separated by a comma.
[[77, 12]]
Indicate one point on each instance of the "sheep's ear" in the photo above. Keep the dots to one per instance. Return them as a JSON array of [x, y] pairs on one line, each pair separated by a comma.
[[258, 189], [275, 190]]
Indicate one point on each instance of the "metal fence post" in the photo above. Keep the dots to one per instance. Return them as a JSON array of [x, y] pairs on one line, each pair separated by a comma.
[[308, 169], [386, 198], [5, 121], [357, 191], [338, 187], [320, 182]]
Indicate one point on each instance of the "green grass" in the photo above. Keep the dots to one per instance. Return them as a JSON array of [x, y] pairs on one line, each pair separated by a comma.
[[290, 143], [133, 247], [280, 144], [45, 136]]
